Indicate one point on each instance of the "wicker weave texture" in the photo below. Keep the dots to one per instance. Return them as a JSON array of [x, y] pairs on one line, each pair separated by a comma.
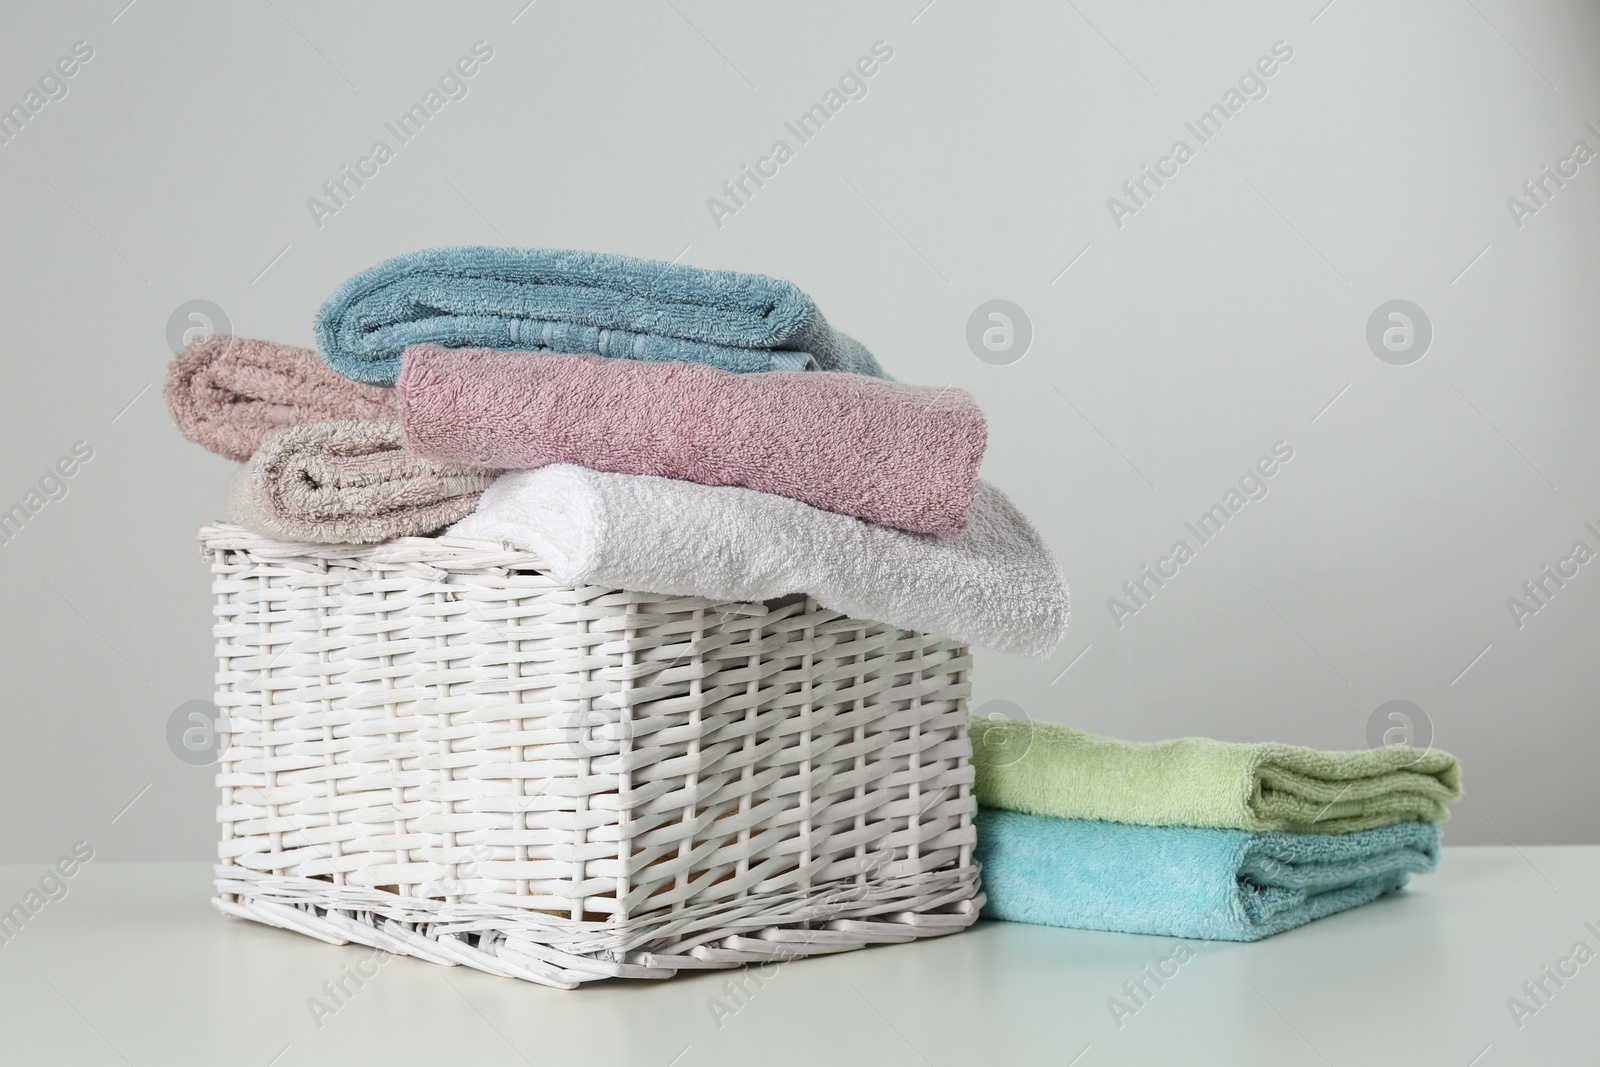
[[436, 749]]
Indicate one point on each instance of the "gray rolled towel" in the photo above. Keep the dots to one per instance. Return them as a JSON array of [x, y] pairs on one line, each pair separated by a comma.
[[350, 482]]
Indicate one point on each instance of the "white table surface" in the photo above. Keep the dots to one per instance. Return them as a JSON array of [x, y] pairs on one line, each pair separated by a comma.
[[134, 967]]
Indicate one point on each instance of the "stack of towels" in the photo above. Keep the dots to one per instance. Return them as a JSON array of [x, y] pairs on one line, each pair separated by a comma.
[[650, 426], [1197, 838], [637, 425]]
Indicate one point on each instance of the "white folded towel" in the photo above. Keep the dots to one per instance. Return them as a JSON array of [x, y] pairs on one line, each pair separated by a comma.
[[995, 585]]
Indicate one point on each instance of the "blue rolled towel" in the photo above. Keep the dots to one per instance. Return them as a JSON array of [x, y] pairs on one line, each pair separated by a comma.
[[1182, 881], [549, 300]]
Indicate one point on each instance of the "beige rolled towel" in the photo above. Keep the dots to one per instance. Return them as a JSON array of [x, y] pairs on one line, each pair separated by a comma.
[[350, 482], [230, 394]]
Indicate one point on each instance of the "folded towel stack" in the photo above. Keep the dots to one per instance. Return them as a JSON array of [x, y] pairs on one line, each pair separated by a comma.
[[1197, 838], [662, 428]]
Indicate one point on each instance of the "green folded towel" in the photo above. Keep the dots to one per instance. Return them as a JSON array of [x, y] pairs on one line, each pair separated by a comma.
[[1046, 769]]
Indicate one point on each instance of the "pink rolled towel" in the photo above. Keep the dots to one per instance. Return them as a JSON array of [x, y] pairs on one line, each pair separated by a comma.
[[230, 394], [898, 455]]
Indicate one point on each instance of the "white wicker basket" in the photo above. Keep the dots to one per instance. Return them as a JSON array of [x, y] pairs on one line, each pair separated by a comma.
[[438, 750]]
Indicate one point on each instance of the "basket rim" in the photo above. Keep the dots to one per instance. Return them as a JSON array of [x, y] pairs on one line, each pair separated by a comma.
[[227, 536], [468, 556]]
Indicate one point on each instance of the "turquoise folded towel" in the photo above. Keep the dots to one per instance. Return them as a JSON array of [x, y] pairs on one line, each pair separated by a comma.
[[1182, 881], [549, 300]]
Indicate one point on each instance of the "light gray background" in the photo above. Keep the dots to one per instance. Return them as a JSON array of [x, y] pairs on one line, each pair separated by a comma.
[[1223, 317]]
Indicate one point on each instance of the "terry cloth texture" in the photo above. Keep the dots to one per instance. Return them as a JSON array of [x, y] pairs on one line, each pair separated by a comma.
[[230, 394], [900, 455], [548, 300], [349, 483], [1179, 881], [1047, 769], [995, 585]]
